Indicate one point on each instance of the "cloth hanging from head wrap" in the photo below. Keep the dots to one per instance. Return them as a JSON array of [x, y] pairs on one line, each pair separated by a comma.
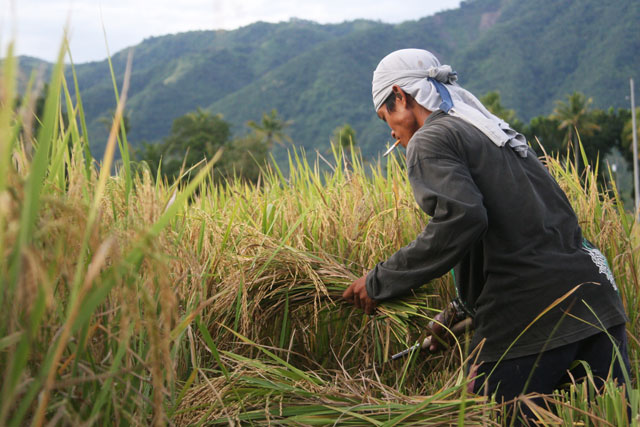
[[420, 74]]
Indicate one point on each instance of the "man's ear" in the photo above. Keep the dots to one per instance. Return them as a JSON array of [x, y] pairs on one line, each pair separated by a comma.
[[400, 95]]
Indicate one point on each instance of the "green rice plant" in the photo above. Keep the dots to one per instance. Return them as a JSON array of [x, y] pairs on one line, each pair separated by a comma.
[[581, 404]]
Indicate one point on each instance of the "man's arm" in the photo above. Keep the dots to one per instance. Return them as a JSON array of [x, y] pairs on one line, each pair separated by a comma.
[[444, 189]]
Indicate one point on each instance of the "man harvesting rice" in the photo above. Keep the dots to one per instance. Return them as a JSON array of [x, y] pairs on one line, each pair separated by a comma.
[[502, 223]]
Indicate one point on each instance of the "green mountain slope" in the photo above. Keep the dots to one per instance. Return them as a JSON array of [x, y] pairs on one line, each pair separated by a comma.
[[32, 68], [331, 85], [175, 74], [538, 52], [319, 76]]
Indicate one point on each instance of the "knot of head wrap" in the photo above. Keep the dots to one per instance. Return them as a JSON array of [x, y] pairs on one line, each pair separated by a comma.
[[443, 74]]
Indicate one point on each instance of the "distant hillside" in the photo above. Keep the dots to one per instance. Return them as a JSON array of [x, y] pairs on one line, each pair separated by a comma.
[[539, 51], [32, 67], [319, 76]]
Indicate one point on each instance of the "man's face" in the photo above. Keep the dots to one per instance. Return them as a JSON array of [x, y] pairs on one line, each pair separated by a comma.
[[402, 120]]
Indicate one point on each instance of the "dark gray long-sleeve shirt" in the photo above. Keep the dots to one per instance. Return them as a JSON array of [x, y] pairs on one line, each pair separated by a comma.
[[509, 232]]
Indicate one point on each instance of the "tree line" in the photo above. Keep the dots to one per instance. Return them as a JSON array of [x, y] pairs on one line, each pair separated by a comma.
[[573, 121], [605, 135], [198, 135]]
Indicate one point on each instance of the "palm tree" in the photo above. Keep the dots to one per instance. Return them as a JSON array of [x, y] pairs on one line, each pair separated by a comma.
[[271, 128], [575, 117]]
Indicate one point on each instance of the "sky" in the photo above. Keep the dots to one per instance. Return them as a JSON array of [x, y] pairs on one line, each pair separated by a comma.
[[37, 25]]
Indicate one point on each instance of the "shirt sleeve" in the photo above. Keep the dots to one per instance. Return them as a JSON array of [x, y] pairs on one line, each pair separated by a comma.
[[444, 189]]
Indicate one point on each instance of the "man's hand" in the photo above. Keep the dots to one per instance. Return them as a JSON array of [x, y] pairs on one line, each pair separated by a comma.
[[439, 337], [356, 293], [450, 317]]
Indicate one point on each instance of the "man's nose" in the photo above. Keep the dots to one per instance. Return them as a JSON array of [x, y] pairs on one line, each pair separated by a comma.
[[393, 135]]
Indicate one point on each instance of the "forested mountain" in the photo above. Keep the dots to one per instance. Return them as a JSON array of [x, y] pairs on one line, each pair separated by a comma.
[[319, 76]]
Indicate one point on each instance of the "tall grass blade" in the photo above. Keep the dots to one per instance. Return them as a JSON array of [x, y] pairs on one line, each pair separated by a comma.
[[123, 144], [28, 218], [86, 145], [7, 97], [213, 348]]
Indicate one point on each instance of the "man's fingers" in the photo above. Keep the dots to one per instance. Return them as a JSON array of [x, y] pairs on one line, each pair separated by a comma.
[[357, 294], [348, 293], [437, 328], [370, 308], [366, 303], [351, 293], [363, 302], [357, 302], [438, 332], [433, 343]]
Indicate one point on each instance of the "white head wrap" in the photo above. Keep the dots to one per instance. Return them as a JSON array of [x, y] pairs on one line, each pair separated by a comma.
[[413, 70]]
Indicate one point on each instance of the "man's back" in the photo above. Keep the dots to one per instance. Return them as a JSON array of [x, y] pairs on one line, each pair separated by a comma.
[[530, 251]]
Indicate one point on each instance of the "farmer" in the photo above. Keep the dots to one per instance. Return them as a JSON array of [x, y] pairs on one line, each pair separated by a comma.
[[541, 296]]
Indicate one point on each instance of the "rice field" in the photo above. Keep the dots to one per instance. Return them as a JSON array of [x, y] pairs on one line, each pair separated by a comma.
[[126, 300]]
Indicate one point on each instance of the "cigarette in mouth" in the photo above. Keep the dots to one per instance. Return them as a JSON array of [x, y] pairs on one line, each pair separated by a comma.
[[386, 153]]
